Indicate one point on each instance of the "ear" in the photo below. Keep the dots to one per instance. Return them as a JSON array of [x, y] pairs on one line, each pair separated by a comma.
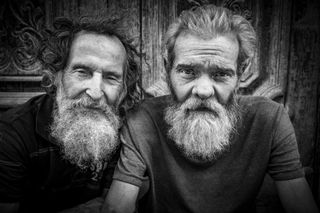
[[245, 66]]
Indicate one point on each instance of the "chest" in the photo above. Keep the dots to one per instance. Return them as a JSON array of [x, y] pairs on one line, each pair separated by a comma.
[[53, 180]]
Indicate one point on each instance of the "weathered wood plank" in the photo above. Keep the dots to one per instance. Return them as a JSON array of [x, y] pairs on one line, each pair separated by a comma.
[[11, 99], [302, 94], [316, 163], [156, 15], [20, 78]]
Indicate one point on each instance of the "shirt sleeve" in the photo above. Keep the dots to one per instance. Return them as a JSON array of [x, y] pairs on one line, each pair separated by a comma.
[[284, 162], [12, 165], [131, 167]]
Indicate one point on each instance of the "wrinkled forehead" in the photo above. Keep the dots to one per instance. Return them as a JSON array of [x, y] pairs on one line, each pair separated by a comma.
[[108, 45], [220, 50]]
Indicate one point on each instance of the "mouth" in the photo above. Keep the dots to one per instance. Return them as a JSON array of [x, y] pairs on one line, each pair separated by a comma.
[[199, 109], [202, 110], [94, 107], [90, 109]]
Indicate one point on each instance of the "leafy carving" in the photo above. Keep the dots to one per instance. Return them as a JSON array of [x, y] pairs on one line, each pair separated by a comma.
[[21, 30]]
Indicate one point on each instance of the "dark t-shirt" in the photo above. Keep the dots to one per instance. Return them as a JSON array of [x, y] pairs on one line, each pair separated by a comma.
[[265, 142], [32, 170]]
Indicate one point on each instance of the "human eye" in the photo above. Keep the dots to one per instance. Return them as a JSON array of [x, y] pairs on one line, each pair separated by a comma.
[[111, 78], [222, 74], [81, 72], [187, 72]]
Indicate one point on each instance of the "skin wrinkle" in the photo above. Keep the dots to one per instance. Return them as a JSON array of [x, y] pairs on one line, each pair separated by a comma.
[[205, 66], [198, 50]]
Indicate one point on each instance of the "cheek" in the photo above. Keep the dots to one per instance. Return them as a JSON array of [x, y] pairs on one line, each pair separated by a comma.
[[224, 96], [224, 93], [71, 87], [113, 93], [180, 90]]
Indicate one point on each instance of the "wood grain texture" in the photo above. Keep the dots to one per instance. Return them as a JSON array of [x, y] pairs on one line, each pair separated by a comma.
[[303, 81], [316, 163], [10, 99], [156, 15], [20, 78]]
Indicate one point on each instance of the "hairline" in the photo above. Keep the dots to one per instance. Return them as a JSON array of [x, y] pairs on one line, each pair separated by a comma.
[[206, 37], [107, 35]]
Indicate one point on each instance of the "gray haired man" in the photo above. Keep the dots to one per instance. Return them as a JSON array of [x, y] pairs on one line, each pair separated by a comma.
[[204, 148]]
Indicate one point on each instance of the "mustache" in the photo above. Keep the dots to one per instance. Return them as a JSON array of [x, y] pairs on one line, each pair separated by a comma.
[[84, 101], [194, 104]]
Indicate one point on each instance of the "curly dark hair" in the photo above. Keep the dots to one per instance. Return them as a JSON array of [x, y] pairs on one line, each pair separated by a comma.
[[55, 51]]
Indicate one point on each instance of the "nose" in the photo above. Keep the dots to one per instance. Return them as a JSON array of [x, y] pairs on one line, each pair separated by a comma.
[[203, 87], [94, 87]]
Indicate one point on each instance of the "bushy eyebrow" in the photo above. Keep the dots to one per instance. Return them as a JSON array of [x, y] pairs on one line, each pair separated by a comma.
[[92, 68], [84, 66], [211, 68], [215, 69], [188, 66]]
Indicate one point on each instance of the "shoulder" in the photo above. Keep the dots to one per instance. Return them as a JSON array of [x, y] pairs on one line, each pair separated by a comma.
[[150, 108], [25, 111], [257, 105], [19, 123], [257, 102], [261, 111], [145, 122]]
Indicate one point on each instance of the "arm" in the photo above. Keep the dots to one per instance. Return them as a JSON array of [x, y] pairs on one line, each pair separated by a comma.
[[286, 169], [129, 176], [121, 198], [9, 207], [295, 196], [94, 205]]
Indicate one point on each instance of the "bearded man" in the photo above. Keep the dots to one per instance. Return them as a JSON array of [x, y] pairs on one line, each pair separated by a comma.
[[59, 149], [205, 149]]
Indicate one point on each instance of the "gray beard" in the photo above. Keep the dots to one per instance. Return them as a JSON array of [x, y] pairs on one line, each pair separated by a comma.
[[202, 129], [87, 131]]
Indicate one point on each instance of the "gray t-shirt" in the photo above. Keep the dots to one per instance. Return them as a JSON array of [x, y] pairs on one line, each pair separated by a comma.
[[265, 143]]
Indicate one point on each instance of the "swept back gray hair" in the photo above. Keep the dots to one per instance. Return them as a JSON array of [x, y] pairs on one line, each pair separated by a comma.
[[208, 22]]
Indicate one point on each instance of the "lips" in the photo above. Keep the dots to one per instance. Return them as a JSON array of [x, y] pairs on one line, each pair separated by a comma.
[[200, 110]]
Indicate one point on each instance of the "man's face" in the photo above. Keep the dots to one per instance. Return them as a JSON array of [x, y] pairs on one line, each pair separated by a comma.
[[203, 81], [85, 122], [95, 68], [204, 68]]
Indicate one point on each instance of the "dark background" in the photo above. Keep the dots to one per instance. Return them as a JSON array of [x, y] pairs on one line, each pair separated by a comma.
[[286, 67]]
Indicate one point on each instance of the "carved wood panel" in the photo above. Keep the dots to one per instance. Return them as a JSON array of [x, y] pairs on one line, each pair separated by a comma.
[[21, 27], [21, 30]]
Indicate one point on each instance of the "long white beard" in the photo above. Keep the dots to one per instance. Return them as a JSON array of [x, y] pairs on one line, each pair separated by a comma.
[[201, 129], [87, 131]]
